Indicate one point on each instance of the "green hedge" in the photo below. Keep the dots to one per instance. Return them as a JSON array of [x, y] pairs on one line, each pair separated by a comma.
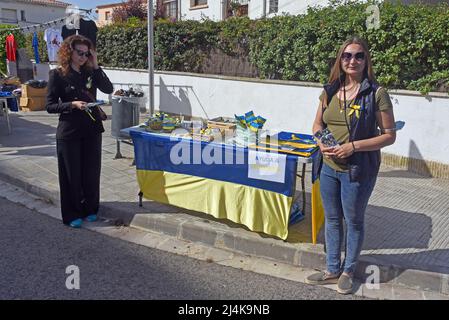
[[409, 50]]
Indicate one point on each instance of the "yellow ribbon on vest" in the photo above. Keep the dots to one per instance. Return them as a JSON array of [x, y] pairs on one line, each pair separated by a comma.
[[355, 108]]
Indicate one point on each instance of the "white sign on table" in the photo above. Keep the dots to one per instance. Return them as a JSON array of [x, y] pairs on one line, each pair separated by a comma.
[[266, 166]]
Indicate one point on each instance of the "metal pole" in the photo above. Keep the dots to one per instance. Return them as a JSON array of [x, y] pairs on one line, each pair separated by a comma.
[[150, 56]]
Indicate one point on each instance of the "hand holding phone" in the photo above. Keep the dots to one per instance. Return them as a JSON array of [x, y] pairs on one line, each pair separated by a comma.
[[94, 104], [326, 138]]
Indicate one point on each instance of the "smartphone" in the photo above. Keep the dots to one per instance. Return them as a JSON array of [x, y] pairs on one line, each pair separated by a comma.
[[326, 138], [94, 104]]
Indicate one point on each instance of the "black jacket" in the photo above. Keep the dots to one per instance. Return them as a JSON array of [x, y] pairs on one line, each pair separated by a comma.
[[62, 90]]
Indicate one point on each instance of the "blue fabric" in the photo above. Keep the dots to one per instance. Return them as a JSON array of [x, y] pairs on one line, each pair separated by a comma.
[[10, 102], [303, 138], [152, 152], [36, 48], [344, 199]]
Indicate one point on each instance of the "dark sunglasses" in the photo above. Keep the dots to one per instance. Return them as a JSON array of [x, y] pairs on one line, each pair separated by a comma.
[[347, 56], [83, 53]]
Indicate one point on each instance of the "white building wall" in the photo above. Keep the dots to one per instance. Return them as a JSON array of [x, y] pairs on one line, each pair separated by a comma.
[[292, 7], [33, 13], [213, 11], [290, 106]]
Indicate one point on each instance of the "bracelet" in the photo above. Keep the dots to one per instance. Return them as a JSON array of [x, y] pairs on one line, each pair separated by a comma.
[[388, 130], [353, 147]]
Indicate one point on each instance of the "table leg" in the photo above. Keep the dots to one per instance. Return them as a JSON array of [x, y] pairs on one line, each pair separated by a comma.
[[7, 119], [118, 155], [140, 198], [303, 187], [4, 110]]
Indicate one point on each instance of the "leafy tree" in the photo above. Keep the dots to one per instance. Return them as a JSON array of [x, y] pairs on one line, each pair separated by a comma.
[[131, 8]]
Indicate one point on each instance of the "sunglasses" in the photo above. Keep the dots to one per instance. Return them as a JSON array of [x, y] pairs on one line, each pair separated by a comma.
[[347, 56], [83, 53]]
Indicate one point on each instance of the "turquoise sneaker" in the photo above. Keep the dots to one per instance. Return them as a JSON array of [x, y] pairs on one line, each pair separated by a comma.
[[76, 223], [91, 218]]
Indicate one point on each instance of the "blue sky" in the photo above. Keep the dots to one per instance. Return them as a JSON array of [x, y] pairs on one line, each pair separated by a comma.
[[88, 4]]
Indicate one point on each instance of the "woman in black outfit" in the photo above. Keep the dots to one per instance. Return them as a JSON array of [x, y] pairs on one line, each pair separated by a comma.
[[78, 137]]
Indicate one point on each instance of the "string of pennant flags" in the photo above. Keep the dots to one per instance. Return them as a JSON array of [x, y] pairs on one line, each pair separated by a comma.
[[44, 24]]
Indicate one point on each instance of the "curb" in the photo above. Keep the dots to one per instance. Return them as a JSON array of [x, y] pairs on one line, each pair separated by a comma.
[[212, 233], [195, 229]]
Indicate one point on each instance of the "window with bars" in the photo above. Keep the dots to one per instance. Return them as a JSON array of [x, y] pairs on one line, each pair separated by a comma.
[[194, 3], [171, 8], [9, 16], [273, 6]]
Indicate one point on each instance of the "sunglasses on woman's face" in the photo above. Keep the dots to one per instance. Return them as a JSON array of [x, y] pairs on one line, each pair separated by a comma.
[[347, 56], [83, 53]]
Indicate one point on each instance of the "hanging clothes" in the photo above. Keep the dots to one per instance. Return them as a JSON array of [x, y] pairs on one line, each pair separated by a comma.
[[11, 48], [88, 28], [54, 40], [36, 48]]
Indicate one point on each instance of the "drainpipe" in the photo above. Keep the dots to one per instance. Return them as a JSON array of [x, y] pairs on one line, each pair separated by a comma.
[[223, 9], [150, 55], [179, 10], [264, 10]]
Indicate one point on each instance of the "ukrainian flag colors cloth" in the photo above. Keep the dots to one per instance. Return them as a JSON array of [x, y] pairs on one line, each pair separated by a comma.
[[216, 179]]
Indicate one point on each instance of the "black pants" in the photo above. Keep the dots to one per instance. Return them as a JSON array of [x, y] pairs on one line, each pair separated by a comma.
[[79, 167]]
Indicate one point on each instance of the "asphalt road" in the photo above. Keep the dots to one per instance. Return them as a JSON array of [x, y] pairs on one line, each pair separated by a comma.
[[36, 251]]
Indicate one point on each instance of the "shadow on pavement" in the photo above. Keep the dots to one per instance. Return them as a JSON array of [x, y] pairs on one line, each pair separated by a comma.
[[29, 133], [403, 174]]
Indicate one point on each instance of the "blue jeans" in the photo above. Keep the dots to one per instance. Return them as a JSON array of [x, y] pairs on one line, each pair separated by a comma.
[[344, 199]]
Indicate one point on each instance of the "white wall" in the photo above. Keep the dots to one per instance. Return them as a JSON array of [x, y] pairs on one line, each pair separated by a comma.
[[255, 8], [291, 106], [292, 7], [213, 11], [34, 13]]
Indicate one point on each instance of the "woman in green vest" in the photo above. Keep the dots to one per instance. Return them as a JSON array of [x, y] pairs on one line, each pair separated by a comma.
[[359, 115]]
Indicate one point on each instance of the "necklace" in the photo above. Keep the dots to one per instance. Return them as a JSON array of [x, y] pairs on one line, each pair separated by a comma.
[[349, 93], [350, 88]]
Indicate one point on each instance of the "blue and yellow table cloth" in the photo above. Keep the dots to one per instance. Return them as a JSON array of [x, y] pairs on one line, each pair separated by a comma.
[[219, 179]]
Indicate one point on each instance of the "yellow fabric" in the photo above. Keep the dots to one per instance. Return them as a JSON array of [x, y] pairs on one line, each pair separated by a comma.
[[275, 148], [260, 210], [297, 145], [317, 210]]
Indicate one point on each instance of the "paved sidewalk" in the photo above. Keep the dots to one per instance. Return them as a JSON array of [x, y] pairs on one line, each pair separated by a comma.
[[407, 221]]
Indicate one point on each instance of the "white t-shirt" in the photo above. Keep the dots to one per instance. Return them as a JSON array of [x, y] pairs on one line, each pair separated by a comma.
[[53, 39]]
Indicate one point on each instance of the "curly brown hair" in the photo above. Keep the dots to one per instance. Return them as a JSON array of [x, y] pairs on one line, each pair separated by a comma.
[[66, 50]]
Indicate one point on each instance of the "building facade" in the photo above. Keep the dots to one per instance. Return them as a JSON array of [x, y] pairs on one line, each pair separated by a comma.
[[104, 13], [31, 12], [218, 10]]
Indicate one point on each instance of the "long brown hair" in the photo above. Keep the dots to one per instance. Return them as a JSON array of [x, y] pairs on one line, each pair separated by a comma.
[[66, 50], [337, 71]]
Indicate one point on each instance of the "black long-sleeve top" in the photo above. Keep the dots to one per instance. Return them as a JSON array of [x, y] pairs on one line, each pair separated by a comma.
[[62, 90]]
